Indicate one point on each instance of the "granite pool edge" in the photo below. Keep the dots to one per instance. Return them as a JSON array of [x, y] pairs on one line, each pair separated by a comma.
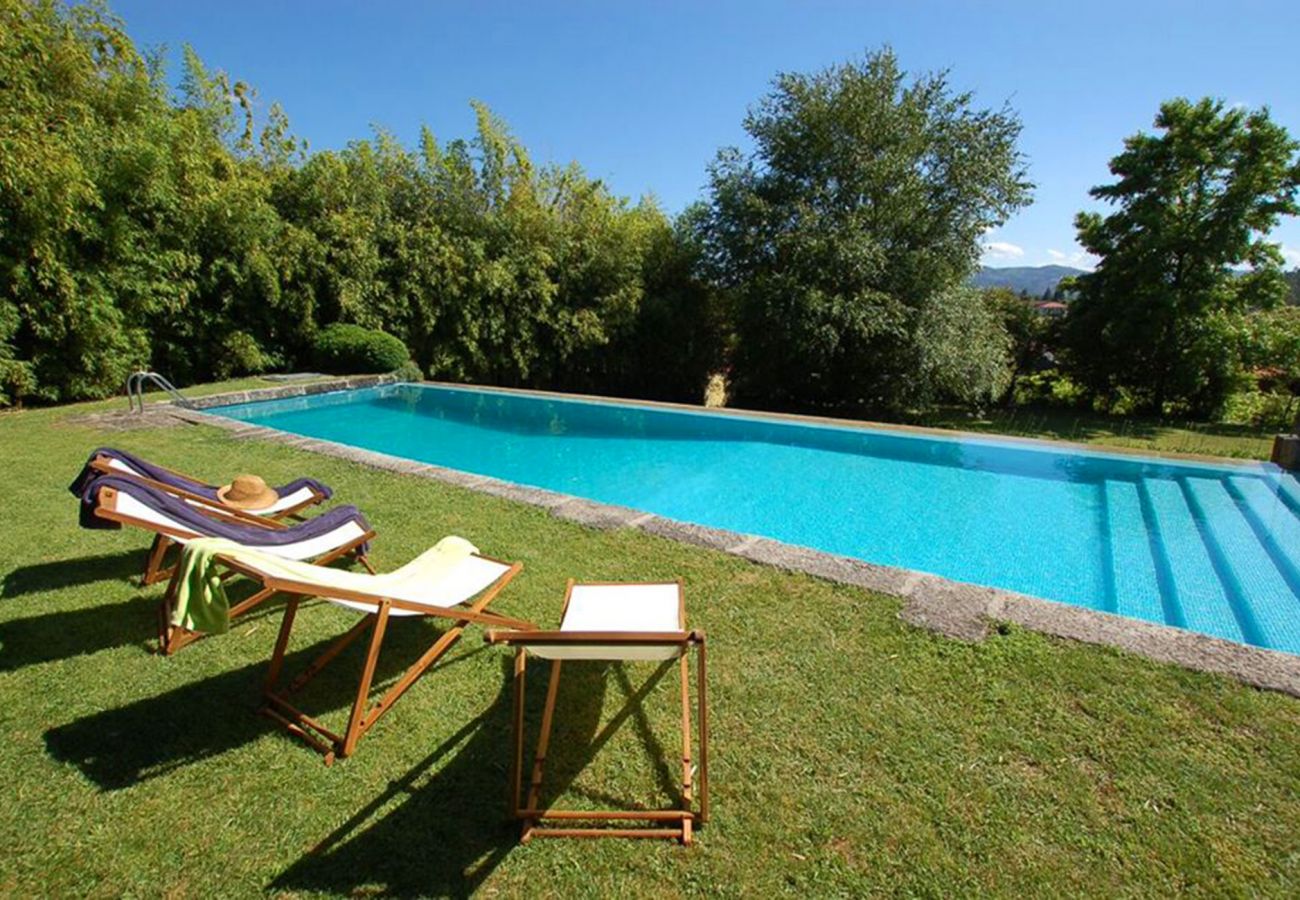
[[281, 392], [952, 608]]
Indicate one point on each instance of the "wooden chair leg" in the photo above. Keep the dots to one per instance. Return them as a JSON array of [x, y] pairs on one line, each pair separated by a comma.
[[517, 757], [543, 743], [701, 692], [367, 676], [281, 643], [153, 567], [165, 613], [341, 643], [685, 671]]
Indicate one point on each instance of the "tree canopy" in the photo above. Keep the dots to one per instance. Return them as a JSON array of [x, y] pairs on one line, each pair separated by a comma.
[[187, 229], [182, 232], [1184, 253], [847, 234]]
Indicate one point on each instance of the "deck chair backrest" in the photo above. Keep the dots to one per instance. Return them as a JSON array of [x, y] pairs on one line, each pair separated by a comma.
[[198, 494], [130, 502]]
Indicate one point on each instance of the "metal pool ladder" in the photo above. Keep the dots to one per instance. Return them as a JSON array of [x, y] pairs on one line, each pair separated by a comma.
[[135, 385]]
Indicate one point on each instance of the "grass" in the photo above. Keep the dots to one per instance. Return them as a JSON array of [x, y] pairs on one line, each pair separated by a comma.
[[1200, 438], [853, 754]]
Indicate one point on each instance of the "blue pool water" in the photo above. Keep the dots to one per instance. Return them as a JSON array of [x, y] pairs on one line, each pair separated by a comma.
[[1212, 548]]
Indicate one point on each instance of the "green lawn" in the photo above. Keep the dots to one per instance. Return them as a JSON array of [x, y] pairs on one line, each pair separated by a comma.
[[1201, 438], [852, 753]]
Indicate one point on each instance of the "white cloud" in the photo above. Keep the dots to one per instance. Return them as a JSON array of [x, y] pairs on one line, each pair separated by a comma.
[[1002, 251], [1291, 255], [1077, 259]]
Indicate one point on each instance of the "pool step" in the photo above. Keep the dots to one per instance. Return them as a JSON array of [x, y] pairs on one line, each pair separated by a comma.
[[1134, 581], [1191, 578], [1274, 524], [1266, 604], [1219, 556]]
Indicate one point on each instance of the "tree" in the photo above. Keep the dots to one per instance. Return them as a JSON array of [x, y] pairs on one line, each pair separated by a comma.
[[76, 102], [1026, 333], [1293, 285], [1195, 205], [861, 206]]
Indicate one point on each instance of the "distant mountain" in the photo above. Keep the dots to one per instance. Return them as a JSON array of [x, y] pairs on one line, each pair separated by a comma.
[[1031, 279]]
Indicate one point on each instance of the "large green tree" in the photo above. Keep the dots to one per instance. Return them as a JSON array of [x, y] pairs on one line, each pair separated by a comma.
[[1184, 254], [847, 232]]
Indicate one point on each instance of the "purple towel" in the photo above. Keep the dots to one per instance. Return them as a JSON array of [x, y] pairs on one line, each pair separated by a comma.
[[190, 516], [157, 473]]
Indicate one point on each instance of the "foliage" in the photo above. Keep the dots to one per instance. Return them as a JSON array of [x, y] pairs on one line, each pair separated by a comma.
[[1293, 286], [1049, 388], [409, 371], [1029, 335], [343, 349], [679, 335], [189, 231], [186, 234], [1270, 340], [860, 208], [1195, 202], [963, 348], [1261, 409]]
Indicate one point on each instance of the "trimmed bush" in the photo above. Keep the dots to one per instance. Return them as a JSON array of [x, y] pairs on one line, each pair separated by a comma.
[[352, 350]]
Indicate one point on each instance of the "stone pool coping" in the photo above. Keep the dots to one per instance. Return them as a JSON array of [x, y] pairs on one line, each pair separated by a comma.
[[953, 608]]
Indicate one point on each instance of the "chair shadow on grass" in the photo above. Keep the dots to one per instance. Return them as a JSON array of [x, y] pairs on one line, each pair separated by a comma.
[[450, 828], [118, 748], [67, 573], [61, 635]]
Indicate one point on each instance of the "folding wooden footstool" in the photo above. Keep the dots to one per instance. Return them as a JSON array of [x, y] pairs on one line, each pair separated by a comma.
[[645, 622]]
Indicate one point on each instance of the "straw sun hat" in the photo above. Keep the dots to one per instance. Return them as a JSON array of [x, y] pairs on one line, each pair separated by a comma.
[[247, 492]]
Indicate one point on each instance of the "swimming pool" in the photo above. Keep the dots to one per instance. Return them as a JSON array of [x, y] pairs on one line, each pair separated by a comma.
[[1211, 548]]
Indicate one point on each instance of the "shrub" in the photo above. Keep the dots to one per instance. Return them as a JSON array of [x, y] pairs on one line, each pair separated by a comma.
[[242, 355], [16, 381], [350, 349], [1050, 388], [409, 371], [1261, 409]]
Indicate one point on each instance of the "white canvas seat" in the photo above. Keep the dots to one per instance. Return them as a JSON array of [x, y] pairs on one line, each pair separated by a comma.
[[633, 622], [624, 609], [409, 590]]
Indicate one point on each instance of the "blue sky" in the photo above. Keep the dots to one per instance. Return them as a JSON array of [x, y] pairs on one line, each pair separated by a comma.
[[643, 94]]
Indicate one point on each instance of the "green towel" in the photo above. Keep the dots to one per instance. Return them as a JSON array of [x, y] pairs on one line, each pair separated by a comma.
[[200, 603]]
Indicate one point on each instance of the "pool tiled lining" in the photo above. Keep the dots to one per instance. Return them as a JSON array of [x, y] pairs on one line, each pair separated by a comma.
[[953, 608]]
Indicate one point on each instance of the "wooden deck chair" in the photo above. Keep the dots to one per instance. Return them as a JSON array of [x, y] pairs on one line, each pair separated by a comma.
[[610, 622], [340, 532], [293, 498], [407, 591]]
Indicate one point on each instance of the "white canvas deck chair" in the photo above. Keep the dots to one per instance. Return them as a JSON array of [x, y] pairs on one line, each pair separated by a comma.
[[416, 589], [291, 499], [127, 501], [644, 622]]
